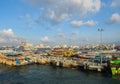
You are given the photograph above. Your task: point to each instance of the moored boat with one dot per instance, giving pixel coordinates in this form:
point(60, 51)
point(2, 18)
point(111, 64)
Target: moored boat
point(15, 59)
point(115, 67)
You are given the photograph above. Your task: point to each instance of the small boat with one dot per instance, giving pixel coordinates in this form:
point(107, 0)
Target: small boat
point(15, 59)
point(115, 67)
point(100, 59)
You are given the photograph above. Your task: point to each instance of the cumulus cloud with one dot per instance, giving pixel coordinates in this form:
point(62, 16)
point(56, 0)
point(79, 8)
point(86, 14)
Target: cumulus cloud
point(115, 18)
point(90, 23)
point(57, 11)
point(77, 23)
point(115, 3)
point(45, 39)
point(7, 37)
point(8, 32)
point(2, 40)
point(81, 23)
point(55, 18)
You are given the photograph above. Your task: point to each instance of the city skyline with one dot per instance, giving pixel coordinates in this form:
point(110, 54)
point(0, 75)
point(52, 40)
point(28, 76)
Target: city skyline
point(53, 22)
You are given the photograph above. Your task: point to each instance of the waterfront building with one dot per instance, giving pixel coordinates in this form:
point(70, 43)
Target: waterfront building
point(26, 46)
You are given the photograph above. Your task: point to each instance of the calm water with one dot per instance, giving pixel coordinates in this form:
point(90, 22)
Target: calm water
point(42, 74)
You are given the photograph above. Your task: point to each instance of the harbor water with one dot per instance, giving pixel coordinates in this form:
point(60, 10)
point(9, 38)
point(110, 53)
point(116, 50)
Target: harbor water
point(45, 74)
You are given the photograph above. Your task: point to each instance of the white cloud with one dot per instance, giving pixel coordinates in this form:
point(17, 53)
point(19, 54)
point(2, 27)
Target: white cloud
point(2, 40)
point(91, 23)
point(8, 32)
point(115, 3)
point(77, 23)
point(115, 18)
point(81, 23)
point(7, 37)
point(56, 18)
point(57, 11)
point(45, 39)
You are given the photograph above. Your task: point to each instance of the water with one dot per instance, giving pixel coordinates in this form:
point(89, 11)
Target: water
point(42, 74)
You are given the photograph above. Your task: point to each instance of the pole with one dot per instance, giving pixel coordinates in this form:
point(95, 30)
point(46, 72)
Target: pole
point(100, 30)
point(101, 37)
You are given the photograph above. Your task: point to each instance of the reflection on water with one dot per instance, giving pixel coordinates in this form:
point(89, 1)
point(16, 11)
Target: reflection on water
point(41, 74)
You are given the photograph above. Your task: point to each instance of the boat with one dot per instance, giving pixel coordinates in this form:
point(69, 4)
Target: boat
point(15, 59)
point(115, 67)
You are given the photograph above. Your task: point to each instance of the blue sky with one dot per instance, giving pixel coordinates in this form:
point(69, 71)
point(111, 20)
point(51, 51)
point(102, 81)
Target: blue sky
point(53, 22)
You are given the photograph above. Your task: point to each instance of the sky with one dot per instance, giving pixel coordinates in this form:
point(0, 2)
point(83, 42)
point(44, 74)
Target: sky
point(54, 22)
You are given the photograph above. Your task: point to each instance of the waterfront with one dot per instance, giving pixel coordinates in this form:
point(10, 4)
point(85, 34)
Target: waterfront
point(41, 74)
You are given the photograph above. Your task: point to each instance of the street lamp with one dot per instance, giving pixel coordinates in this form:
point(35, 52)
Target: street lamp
point(101, 30)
